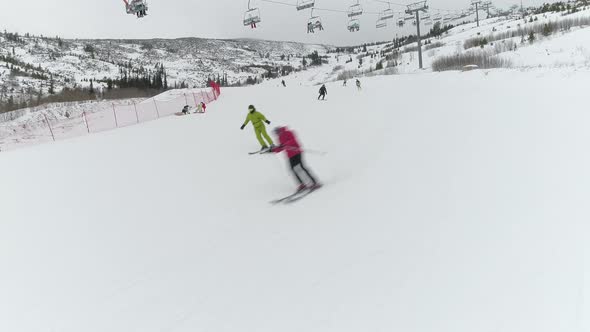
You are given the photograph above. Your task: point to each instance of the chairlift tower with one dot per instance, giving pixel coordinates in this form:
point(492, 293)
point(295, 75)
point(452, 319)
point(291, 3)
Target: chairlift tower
point(486, 6)
point(476, 4)
point(415, 9)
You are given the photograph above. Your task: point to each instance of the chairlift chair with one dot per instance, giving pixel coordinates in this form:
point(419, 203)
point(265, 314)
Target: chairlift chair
point(381, 24)
point(387, 14)
point(354, 25)
point(401, 22)
point(315, 22)
point(426, 16)
point(437, 18)
point(136, 6)
point(305, 4)
point(252, 16)
point(428, 22)
point(409, 17)
point(355, 10)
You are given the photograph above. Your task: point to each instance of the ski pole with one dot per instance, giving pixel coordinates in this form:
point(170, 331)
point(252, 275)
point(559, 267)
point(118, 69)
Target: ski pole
point(310, 151)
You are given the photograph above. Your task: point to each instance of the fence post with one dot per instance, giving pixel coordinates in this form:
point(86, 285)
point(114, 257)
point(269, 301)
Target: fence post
point(157, 111)
point(136, 115)
point(86, 121)
point(185, 99)
point(49, 125)
point(195, 97)
point(115, 114)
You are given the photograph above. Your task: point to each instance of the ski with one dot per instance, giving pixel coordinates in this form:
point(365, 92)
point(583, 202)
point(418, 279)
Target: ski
point(295, 197)
point(260, 152)
point(299, 197)
point(289, 197)
point(183, 114)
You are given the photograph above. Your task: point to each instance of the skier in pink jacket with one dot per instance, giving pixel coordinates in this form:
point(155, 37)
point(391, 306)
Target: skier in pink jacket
point(288, 142)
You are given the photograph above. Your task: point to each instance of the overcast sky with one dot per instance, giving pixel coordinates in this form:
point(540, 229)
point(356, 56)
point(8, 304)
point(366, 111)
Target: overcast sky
point(203, 18)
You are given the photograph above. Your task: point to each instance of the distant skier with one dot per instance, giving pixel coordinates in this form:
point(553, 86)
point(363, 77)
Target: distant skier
point(283, 83)
point(289, 143)
point(201, 107)
point(358, 84)
point(323, 92)
point(186, 110)
point(258, 120)
point(344, 83)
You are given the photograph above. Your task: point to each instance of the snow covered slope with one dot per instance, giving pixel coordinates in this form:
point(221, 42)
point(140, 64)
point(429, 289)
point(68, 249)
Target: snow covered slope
point(457, 211)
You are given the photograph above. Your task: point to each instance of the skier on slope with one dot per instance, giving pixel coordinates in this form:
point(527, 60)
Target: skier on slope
point(289, 143)
point(186, 110)
point(323, 92)
point(201, 107)
point(258, 120)
point(358, 84)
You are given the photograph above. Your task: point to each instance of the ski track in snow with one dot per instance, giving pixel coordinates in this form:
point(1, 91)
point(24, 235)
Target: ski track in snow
point(434, 217)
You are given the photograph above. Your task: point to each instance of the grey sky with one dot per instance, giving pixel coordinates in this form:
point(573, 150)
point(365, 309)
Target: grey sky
point(201, 18)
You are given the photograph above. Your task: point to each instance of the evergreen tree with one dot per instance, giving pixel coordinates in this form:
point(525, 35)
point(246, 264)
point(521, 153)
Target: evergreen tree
point(10, 105)
point(531, 37)
point(51, 85)
point(39, 96)
point(547, 30)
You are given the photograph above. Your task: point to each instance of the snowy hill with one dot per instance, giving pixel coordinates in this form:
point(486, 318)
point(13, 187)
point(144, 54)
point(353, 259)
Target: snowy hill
point(438, 216)
point(188, 60)
point(560, 41)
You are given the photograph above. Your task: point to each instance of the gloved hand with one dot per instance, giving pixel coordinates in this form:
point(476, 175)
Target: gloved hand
point(267, 122)
point(242, 127)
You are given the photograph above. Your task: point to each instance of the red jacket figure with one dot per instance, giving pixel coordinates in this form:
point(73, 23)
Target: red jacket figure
point(288, 142)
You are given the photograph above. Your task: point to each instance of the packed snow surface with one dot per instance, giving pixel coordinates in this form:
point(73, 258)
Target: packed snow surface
point(452, 202)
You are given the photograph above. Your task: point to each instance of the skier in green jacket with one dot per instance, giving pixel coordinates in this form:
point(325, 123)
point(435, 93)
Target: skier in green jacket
point(258, 120)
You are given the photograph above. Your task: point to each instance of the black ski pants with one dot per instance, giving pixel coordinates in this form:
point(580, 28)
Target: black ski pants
point(298, 161)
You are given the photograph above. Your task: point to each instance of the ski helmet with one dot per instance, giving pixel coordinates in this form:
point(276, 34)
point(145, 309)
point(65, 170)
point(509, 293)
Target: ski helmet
point(251, 108)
